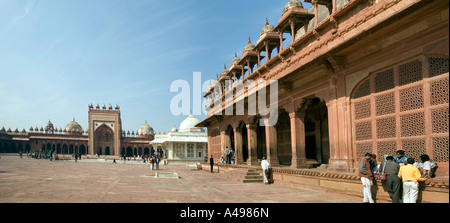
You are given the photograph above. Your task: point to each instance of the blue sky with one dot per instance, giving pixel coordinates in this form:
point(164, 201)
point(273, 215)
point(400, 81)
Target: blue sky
point(58, 56)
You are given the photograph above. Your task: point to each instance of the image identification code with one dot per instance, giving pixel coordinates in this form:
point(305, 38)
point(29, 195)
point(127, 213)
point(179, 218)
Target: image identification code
point(246, 213)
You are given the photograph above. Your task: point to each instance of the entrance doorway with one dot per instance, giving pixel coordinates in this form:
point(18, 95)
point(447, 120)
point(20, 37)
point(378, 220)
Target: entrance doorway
point(104, 140)
point(316, 133)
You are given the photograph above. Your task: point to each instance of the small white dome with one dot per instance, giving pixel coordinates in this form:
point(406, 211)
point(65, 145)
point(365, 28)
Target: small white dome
point(189, 123)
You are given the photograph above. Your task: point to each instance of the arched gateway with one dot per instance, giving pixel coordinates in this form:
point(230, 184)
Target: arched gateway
point(104, 140)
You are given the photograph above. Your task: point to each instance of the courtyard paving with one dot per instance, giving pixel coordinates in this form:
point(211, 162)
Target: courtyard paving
point(27, 180)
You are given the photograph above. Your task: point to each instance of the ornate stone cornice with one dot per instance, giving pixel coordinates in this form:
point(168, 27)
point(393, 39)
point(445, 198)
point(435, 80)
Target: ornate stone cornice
point(341, 29)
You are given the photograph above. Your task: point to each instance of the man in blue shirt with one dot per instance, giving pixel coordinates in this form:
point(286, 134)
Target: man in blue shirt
point(401, 158)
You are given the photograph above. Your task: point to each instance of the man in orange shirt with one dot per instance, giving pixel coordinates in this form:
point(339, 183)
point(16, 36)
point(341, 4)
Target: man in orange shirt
point(410, 176)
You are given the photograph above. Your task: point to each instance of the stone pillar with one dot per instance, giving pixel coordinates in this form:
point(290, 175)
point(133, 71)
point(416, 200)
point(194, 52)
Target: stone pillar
point(268, 54)
point(238, 156)
point(170, 150)
point(316, 12)
point(185, 150)
point(298, 140)
point(259, 58)
point(292, 30)
point(271, 145)
point(195, 151)
point(222, 143)
point(252, 145)
point(333, 6)
point(341, 157)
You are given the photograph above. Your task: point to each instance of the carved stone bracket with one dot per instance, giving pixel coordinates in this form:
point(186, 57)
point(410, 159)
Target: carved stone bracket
point(335, 63)
point(287, 85)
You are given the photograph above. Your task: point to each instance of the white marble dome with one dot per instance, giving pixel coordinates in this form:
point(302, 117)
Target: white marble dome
point(189, 123)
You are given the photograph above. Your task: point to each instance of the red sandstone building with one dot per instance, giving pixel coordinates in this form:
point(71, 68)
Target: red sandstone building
point(354, 77)
point(104, 137)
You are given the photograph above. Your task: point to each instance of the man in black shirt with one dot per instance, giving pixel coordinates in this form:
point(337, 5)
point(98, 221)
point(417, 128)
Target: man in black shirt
point(211, 162)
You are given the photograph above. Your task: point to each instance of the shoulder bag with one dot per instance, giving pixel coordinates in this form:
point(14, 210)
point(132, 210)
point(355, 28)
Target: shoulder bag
point(382, 174)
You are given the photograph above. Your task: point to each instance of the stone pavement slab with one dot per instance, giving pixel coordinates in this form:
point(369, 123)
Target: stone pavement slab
point(27, 180)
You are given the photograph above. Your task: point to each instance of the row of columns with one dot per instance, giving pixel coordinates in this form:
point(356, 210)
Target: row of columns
point(297, 123)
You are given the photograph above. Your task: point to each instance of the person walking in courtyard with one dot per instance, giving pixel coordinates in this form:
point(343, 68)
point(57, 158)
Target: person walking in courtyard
point(366, 175)
point(152, 162)
point(265, 166)
point(211, 163)
point(393, 183)
point(410, 176)
point(157, 162)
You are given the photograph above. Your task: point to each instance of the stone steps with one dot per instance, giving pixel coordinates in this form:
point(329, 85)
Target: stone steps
point(252, 176)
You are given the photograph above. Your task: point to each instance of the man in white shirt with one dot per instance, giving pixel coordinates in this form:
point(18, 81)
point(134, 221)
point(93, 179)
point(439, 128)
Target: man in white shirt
point(265, 166)
point(425, 166)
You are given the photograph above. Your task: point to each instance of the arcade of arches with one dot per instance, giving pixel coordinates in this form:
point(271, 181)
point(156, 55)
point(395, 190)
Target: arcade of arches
point(101, 139)
point(251, 142)
point(358, 77)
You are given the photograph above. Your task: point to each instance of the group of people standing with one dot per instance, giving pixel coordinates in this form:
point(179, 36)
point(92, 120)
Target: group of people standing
point(401, 173)
point(229, 156)
point(154, 162)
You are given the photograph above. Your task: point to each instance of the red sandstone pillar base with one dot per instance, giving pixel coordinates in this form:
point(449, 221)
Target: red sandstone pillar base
point(341, 165)
point(299, 163)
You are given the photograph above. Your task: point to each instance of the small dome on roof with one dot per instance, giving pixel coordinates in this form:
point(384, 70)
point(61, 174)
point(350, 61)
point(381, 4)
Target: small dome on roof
point(267, 28)
point(146, 129)
point(73, 126)
point(235, 61)
point(189, 122)
point(49, 125)
point(224, 72)
point(249, 46)
point(292, 4)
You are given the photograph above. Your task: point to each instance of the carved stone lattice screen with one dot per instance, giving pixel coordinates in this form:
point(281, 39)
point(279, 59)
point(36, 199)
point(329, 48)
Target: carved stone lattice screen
point(404, 107)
